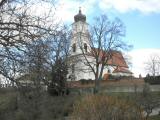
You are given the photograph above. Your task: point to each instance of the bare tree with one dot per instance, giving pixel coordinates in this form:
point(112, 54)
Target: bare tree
point(147, 100)
point(58, 61)
point(24, 50)
point(18, 28)
point(153, 65)
point(105, 38)
point(36, 62)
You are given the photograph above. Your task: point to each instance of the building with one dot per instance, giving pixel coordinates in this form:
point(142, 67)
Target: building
point(80, 44)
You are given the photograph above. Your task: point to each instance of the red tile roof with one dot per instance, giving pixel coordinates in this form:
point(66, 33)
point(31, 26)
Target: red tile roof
point(115, 57)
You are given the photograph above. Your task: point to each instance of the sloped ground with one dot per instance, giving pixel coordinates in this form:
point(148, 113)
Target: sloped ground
point(49, 107)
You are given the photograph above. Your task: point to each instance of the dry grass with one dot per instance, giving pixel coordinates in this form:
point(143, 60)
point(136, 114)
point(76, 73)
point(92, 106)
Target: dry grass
point(102, 107)
point(45, 107)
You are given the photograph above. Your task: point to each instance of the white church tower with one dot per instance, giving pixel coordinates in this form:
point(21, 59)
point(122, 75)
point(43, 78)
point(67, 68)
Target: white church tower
point(80, 35)
point(79, 44)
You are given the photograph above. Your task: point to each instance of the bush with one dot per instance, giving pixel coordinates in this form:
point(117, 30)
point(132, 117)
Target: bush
point(112, 77)
point(101, 107)
point(86, 81)
point(56, 90)
point(152, 79)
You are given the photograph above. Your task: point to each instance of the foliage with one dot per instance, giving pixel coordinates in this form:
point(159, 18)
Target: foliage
point(148, 101)
point(101, 107)
point(155, 117)
point(152, 79)
point(86, 81)
point(113, 77)
point(59, 74)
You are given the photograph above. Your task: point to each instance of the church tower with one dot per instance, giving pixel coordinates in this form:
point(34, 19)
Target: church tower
point(80, 35)
point(79, 44)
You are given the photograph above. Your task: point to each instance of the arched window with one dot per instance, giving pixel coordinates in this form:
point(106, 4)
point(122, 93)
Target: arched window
point(73, 68)
point(74, 47)
point(109, 71)
point(85, 47)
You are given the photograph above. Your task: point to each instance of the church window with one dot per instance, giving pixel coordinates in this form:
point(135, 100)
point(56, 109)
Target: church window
point(74, 47)
point(85, 47)
point(109, 71)
point(73, 68)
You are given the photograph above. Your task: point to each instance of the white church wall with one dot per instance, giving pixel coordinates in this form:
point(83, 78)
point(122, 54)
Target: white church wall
point(122, 74)
point(81, 70)
point(80, 27)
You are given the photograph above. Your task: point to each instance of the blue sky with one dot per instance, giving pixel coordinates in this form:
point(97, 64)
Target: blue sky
point(141, 18)
point(143, 31)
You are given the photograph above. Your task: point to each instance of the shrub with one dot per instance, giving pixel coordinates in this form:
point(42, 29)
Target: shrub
point(55, 90)
point(82, 81)
point(152, 79)
point(101, 107)
point(113, 77)
point(86, 81)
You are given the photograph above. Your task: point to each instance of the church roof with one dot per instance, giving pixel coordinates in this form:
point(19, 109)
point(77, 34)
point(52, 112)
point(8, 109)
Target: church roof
point(114, 57)
point(80, 17)
point(117, 59)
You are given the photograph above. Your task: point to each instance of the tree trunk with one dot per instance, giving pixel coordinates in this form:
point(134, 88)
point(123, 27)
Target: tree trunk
point(96, 89)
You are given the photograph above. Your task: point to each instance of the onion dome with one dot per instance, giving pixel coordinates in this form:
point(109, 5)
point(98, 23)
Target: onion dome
point(80, 17)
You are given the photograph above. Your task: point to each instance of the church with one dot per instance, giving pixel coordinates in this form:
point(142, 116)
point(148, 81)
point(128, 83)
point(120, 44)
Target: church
point(80, 45)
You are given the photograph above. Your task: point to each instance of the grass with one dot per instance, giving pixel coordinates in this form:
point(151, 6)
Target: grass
point(155, 117)
point(7, 104)
point(49, 108)
point(46, 107)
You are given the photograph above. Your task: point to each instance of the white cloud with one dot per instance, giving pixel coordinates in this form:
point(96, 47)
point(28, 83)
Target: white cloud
point(144, 6)
point(139, 58)
point(66, 9)
point(60, 10)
